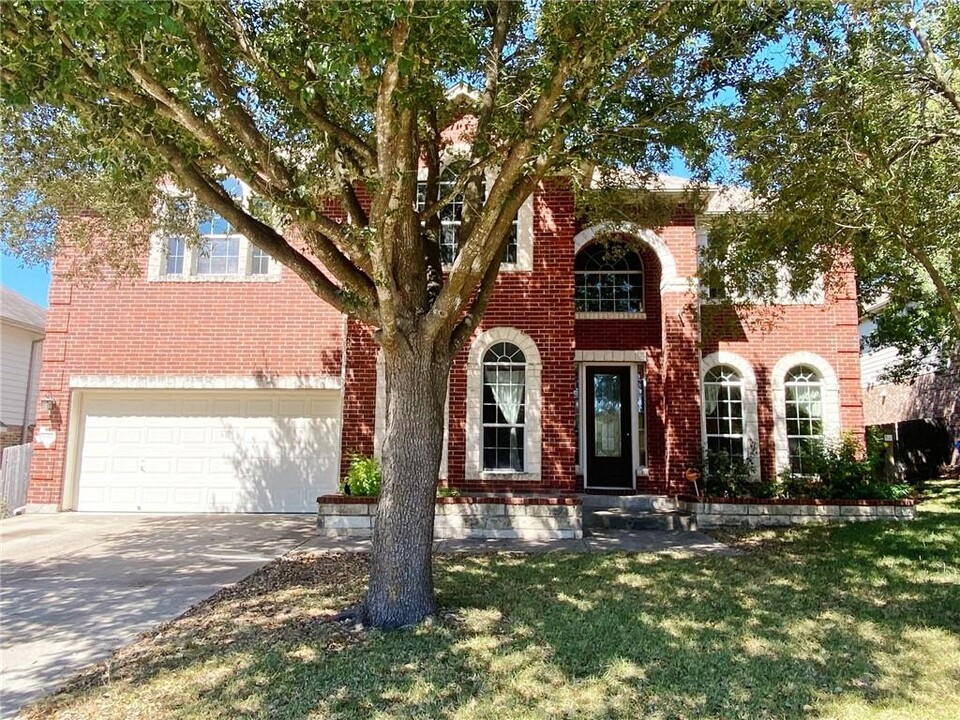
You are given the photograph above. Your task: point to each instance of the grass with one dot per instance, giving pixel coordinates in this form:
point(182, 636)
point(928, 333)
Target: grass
point(857, 621)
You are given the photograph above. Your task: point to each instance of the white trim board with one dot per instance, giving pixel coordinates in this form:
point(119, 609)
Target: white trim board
point(205, 382)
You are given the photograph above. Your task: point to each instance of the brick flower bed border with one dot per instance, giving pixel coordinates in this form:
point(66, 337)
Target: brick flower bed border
point(714, 512)
point(464, 516)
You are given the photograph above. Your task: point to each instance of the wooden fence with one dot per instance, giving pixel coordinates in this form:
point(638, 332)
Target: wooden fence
point(14, 473)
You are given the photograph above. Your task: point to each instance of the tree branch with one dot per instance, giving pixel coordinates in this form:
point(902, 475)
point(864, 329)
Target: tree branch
point(227, 95)
point(263, 236)
point(940, 81)
point(494, 64)
point(359, 150)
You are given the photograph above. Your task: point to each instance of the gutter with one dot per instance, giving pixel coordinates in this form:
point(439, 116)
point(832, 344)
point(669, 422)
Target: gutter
point(26, 400)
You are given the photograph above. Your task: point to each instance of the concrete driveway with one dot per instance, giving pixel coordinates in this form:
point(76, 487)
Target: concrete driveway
point(75, 586)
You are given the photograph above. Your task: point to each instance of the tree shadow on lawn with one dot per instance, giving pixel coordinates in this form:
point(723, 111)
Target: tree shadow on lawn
point(866, 613)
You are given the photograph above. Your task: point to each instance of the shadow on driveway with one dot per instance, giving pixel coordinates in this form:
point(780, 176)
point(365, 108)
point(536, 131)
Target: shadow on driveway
point(73, 587)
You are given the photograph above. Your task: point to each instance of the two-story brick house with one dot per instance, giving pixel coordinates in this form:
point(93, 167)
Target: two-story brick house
point(217, 382)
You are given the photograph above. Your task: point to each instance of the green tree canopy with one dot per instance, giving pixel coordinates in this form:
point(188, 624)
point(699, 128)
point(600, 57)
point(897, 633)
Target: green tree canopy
point(332, 113)
point(850, 143)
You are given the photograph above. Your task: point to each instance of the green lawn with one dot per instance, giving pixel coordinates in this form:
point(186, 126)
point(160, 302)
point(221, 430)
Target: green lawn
point(859, 621)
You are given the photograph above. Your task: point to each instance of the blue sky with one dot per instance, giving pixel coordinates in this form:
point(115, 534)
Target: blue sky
point(33, 282)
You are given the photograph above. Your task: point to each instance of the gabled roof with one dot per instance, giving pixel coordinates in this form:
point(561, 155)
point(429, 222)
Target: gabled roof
point(17, 310)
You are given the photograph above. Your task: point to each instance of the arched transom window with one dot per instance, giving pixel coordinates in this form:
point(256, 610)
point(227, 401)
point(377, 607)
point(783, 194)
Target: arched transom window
point(609, 278)
point(504, 386)
point(803, 396)
point(723, 410)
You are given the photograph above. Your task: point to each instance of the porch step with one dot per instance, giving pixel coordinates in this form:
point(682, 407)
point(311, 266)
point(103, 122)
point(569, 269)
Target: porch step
point(623, 519)
point(633, 503)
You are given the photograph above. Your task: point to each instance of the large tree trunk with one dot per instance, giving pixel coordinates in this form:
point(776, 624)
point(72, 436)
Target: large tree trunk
point(401, 573)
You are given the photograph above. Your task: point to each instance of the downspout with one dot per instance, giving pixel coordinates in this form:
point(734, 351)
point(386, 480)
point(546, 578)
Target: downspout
point(26, 400)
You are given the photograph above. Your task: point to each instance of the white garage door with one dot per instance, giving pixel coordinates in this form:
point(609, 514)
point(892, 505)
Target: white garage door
point(218, 451)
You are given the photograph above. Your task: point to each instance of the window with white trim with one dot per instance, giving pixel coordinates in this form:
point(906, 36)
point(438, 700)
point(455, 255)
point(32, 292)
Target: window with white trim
point(608, 278)
point(504, 389)
point(222, 253)
point(497, 358)
point(723, 411)
point(176, 252)
point(451, 218)
point(803, 398)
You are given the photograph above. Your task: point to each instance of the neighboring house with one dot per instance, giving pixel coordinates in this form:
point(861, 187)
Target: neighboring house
point(219, 382)
point(21, 335)
point(920, 416)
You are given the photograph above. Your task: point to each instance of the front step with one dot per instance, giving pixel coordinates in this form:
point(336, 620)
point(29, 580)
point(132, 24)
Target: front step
point(632, 503)
point(623, 519)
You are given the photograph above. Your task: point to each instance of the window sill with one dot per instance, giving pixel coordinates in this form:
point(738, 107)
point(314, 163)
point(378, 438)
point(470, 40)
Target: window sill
point(610, 316)
point(269, 278)
point(504, 268)
point(762, 303)
point(510, 476)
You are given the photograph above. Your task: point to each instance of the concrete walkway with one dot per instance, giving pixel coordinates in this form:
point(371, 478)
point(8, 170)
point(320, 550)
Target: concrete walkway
point(73, 587)
point(633, 541)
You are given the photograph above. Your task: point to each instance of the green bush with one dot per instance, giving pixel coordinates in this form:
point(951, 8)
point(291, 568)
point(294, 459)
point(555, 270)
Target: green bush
point(363, 477)
point(723, 475)
point(838, 470)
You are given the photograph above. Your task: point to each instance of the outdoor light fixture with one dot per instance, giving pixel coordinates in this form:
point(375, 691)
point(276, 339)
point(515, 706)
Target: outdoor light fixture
point(48, 403)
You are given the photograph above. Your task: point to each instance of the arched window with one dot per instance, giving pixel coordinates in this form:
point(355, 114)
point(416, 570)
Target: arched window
point(609, 278)
point(723, 410)
point(803, 397)
point(504, 388)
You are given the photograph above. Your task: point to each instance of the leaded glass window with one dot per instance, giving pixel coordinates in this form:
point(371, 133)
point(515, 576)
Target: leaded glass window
point(504, 387)
point(609, 278)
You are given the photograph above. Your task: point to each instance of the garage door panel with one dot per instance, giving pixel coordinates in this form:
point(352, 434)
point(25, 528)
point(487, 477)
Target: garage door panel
point(153, 453)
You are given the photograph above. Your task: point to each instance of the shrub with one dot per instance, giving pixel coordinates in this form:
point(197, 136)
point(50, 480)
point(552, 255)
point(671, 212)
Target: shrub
point(363, 477)
point(838, 470)
point(724, 475)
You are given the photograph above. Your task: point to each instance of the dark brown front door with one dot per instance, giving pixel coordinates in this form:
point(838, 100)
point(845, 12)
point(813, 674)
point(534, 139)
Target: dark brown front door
point(609, 420)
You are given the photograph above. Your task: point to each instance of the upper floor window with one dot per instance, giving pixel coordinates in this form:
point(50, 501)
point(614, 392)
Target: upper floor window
point(504, 388)
point(609, 278)
point(723, 411)
point(222, 253)
point(803, 388)
point(176, 252)
point(451, 219)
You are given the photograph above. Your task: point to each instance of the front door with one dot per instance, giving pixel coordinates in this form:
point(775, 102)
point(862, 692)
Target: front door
point(608, 425)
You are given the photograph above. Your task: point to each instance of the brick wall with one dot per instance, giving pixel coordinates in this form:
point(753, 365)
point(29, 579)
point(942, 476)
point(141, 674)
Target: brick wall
point(194, 328)
point(764, 336)
point(540, 304)
point(13, 434)
point(135, 327)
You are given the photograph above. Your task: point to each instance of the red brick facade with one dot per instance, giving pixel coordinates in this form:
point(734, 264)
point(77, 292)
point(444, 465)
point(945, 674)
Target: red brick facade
point(279, 328)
